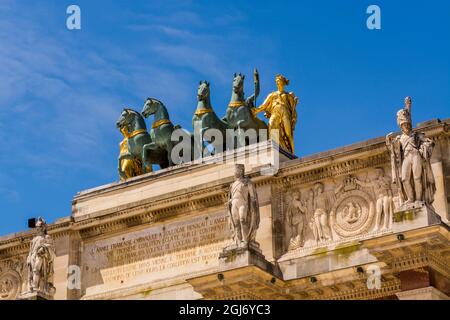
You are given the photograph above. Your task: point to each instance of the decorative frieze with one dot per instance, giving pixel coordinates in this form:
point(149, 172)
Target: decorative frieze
point(331, 211)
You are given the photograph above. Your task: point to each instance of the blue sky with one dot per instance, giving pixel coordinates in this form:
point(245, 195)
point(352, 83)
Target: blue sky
point(61, 91)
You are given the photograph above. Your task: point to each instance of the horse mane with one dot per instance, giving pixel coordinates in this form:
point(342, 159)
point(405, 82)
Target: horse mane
point(132, 111)
point(154, 99)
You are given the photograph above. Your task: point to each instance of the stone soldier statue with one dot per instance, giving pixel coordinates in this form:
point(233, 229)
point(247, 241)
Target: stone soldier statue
point(243, 208)
point(40, 261)
point(410, 159)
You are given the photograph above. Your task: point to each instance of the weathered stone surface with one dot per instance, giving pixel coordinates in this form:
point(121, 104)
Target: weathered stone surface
point(37, 295)
point(414, 216)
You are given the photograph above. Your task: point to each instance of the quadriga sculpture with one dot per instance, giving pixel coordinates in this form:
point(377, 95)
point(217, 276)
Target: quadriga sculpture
point(211, 134)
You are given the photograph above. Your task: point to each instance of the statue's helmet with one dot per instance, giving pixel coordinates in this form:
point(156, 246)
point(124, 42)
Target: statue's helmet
point(403, 116)
point(41, 225)
point(239, 169)
point(408, 101)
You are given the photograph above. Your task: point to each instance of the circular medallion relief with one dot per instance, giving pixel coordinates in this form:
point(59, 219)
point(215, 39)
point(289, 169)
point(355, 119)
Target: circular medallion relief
point(9, 285)
point(353, 214)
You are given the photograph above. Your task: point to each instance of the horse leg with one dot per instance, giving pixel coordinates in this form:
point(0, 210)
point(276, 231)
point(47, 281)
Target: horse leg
point(123, 166)
point(163, 161)
point(242, 126)
point(169, 147)
point(192, 148)
point(198, 143)
point(261, 125)
point(146, 160)
point(122, 175)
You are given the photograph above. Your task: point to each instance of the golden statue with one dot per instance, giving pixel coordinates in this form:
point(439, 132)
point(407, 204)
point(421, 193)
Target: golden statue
point(129, 167)
point(279, 108)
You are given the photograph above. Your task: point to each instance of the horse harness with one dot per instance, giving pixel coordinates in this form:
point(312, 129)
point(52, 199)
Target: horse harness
point(236, 104)
point(159, 123)
point(200, 112)
point(136, 132)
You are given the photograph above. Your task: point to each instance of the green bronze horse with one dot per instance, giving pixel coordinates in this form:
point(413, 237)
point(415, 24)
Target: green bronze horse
point(132, 124)
point(160, 149)
point(238, 114)
point(205, 119)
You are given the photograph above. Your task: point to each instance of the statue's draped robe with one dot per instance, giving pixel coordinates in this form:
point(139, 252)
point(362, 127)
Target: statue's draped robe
point(251, 197)
point(280, 107)
point(40, 260)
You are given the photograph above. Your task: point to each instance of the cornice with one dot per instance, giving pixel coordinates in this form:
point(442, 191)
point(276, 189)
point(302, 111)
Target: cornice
point(147, 213)
point(334, 169)
point(19, 243)
point(388, 288)
point(435, 129)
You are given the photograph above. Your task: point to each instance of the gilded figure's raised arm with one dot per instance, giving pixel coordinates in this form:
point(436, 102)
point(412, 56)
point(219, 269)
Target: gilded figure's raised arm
point(263, 107)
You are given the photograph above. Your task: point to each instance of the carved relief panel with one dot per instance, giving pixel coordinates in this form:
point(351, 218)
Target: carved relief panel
point(11, 275)
point(306, 216)
point(353, 211)
point(328, 211)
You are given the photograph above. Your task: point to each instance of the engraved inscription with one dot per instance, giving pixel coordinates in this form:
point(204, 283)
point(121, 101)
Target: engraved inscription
point(157, 252)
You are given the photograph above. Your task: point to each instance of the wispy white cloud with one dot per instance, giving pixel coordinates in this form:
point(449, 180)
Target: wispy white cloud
point(59, 100)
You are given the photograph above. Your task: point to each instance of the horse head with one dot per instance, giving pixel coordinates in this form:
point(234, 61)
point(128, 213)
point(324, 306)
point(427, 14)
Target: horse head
point(203, 91)
point(124, 119)
point(238, 83)
point(151, 106)
point(130, 119)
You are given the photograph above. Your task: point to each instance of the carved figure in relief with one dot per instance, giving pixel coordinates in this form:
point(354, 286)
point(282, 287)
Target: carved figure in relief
point(319, 222)
point(296, 215)
point(309, 202)
point(243, 208)
point(384, 205)
point(6, 286)
point(351, 213)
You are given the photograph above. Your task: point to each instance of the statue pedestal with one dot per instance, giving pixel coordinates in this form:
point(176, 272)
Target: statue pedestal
point(413, 216)
point(35, 295)
point(243, 274)
point(233, 257)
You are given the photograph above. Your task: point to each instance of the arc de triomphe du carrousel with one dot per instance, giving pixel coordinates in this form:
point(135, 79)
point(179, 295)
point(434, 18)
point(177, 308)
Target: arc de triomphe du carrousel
point(232, 213)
